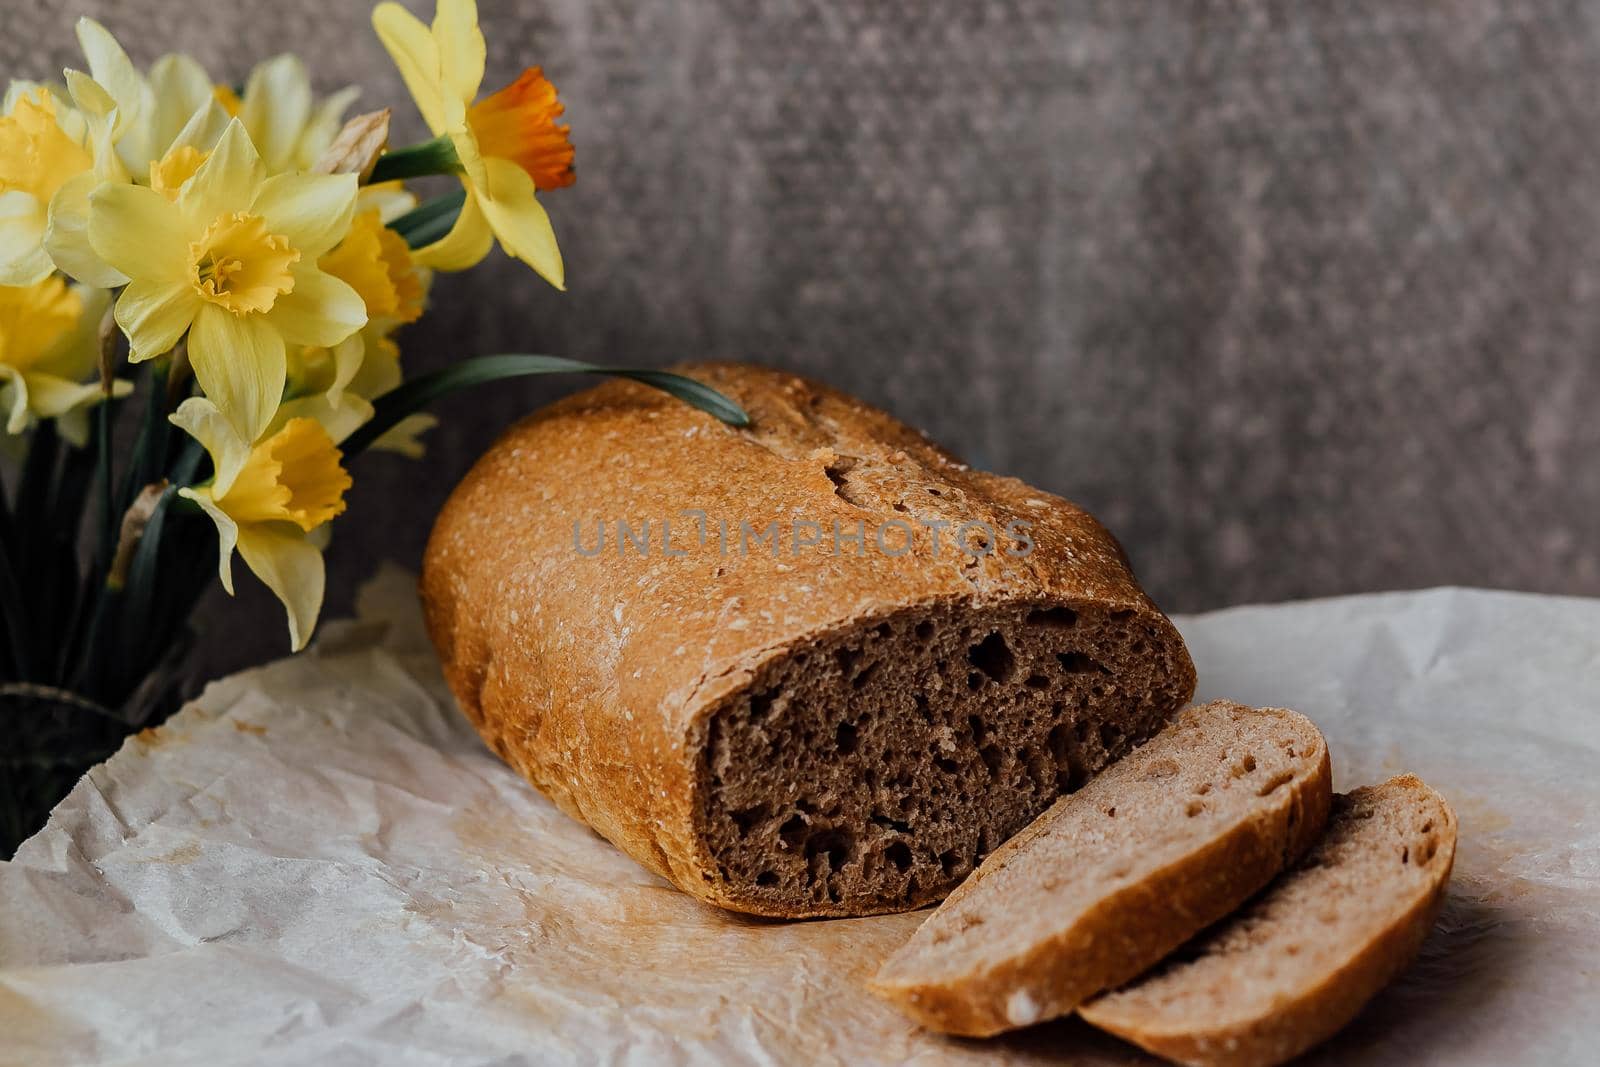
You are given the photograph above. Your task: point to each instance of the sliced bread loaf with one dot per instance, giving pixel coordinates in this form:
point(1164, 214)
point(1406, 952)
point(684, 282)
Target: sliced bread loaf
point(1302, 959)
point(808, 667)
point(1115, 876)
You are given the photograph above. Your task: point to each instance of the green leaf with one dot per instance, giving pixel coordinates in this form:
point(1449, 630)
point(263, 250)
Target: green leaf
point(414, 395)
point(431, 220)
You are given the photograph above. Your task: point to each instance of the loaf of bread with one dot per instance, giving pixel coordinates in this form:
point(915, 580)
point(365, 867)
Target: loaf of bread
point(1303, 958)
point(816, 666)
point(1115, 876)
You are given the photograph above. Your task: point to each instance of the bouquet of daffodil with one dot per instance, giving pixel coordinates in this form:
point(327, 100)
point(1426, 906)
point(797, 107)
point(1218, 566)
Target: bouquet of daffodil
point(223, 269)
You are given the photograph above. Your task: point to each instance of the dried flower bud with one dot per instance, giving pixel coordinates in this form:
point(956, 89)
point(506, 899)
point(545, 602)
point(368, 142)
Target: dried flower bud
point(357, 147)
point(134, 520)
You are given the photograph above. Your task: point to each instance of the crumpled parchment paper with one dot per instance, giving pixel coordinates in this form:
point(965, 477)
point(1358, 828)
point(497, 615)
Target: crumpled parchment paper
point(319, 862)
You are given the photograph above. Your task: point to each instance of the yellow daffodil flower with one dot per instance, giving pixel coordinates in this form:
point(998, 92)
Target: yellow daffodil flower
point(49, 345)
point(37, 157)
point(267, 499)
point(153, 111)
point(233, 261)
point(336, 386)
point(376, 262)
point(135, 123)
point(506, 144)
point(290, 127)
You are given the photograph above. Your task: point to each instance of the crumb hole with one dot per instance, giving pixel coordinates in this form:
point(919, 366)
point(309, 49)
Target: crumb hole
point(899, 855)
point(924, 630)
point(1038, 681)
point(746, 820)
point(1194, 808)
point(836, 847)
point(1244, 766)
point(766, 878)
point(793, 830)
point(993, 657)
point(1059, 618)
point(1078, 663)
point(990, 755)
point(844, 738)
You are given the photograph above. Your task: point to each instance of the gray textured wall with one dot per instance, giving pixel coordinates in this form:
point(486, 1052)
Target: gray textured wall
point(1300, 298)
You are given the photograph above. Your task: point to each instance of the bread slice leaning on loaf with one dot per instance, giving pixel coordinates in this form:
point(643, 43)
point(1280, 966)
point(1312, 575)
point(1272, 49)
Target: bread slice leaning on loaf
point(1302, 959)
point(1115, 876)
point(827, 669)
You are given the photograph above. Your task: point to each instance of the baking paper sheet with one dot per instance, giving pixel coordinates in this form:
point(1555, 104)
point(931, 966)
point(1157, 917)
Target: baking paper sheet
point(319, 862)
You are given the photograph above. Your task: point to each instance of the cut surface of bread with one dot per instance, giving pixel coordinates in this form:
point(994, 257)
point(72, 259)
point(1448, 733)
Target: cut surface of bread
point(1303, 958)
point(1113, 877)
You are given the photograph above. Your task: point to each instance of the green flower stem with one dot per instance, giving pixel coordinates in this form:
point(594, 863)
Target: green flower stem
point(437, 156)
point(429, 221)
point(414, 395)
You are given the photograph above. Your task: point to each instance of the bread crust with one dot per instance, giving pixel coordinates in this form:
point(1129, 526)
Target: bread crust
point(1126, 931)
point(595, 675)
point(1302, 1020)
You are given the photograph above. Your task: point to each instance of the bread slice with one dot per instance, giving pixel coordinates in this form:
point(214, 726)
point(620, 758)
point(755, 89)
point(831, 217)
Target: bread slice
point(1114, 877)
point(1302, 959)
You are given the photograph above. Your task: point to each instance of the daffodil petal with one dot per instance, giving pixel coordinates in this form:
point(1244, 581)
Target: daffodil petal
point(202, 420)
point(50, 397)
point(277, 103)
point(461, 48)
point(76, 354)
point(340, 416)
point(320, 310)
point(17, 417)
point(292, 568)
point(203, 129)
point(520, 222)
point(227, 534)
point(66, 236)
point(23, 259)
point(323, 126)
point(389, 199)
point(112, 68)
point(468, 241)
point(416, 56)
point(226, 181)
point(240, 363)
point(139, 233)
point(312, 210)
point(348, 356)
point(181, 87)
point(403, 438)
point(154, 316)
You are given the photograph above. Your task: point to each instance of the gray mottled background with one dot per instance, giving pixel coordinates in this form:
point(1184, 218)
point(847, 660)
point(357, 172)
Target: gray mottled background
point(1299, 298)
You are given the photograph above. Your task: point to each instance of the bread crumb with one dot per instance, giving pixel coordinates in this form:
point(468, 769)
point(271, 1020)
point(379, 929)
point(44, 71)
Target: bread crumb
point(1021, 1008)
